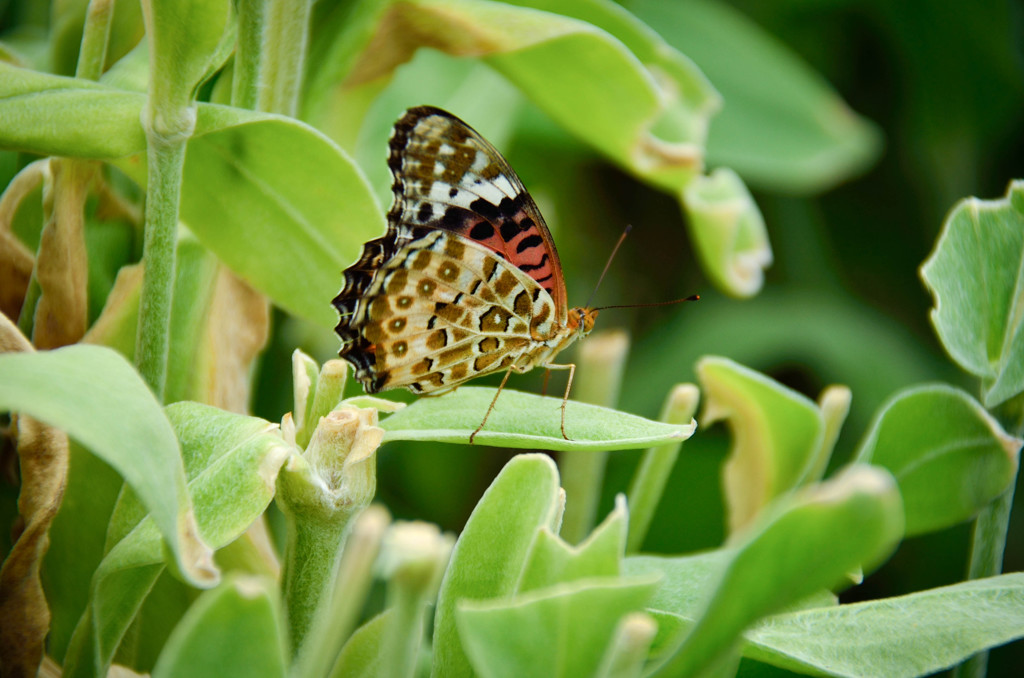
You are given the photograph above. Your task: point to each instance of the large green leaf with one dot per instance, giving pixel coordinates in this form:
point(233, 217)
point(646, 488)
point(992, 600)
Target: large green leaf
point(490, 553)
point(567, 627)
point(976, 277)
point(783, 127)
point(278, 202)
point(232, 462)
point(913, 635)
point(788, 556)
point(99, 400)
point(524, 420)
point(949, 456)
point(649, 114)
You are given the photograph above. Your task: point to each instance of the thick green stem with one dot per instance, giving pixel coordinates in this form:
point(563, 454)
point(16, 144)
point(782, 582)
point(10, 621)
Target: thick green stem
point(163, 194)
point(312, 554)
point(598, 377)
point(652, 474)
point(92, 55)
point(335, 622)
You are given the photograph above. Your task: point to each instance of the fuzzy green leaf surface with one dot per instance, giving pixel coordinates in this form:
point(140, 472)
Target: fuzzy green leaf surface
point(95, 396)
point(286, 227)
point(233, 629)
point(776, 432)
point(976, 277)
point(784, 128)
point(913, 635)
point(361, 655)
point(950, 457)
point(524, 420)
point(553, 561)
point(790, 555)
point(567, 627)
point(489, 556)
point(232, 462)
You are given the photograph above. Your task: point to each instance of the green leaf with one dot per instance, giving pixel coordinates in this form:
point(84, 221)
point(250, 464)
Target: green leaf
point(949, 456)
point(232, 462)
point(567, 627)
point(777, 434)
point(729, 232)
point(361, 655)
point(783, 127)
point(524, 420)
point(53, 115)
point(913, 635)
point(488, 558)
point(234, 628)
point(648, 111)
point(976, 277)
point(288, 228)
point(790, 555)
point(99, 400)
point(554, 561)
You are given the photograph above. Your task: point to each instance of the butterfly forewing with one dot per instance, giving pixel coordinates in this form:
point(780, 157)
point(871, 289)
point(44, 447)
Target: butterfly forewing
point(449, 177)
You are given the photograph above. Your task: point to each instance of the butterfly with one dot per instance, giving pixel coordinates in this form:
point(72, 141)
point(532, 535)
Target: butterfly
point(466, 282)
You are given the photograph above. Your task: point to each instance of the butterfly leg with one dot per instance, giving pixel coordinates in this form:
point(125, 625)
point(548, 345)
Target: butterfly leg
point(547, 378)
point(491, 407)
point(568, 387)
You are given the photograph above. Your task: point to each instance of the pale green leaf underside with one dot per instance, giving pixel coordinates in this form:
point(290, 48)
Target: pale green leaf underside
point(95, 396)
point(912, 635)
point(949, 456)
point(976, 276)
point(524, 420)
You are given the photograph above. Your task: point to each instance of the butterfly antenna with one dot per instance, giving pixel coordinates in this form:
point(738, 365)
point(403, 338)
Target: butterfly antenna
point(625, 232)
point(692, 297)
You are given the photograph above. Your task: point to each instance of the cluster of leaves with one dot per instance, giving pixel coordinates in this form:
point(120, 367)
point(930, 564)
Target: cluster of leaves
point(271, 161)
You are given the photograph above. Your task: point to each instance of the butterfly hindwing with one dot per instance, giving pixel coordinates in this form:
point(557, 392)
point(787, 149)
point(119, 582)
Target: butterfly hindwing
point(444, 310)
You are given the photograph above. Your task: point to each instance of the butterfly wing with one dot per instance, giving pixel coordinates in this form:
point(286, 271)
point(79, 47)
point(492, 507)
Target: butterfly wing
point(449, 177)
point(466, 276)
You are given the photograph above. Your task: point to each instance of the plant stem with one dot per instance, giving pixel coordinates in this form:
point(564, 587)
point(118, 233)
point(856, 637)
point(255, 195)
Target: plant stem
point(92, 55)
point(988, 537)
point(601, 363)
point(988, 541)
point(648, 485)
point(273, 37)
point(352, 584)
point(312, 554)
point(246, 77)
point(166, 159)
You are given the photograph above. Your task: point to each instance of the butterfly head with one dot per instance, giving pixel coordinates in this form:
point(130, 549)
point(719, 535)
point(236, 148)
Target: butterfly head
point(582, 320)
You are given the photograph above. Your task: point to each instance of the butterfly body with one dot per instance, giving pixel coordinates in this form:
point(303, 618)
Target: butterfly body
point(466, 281)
